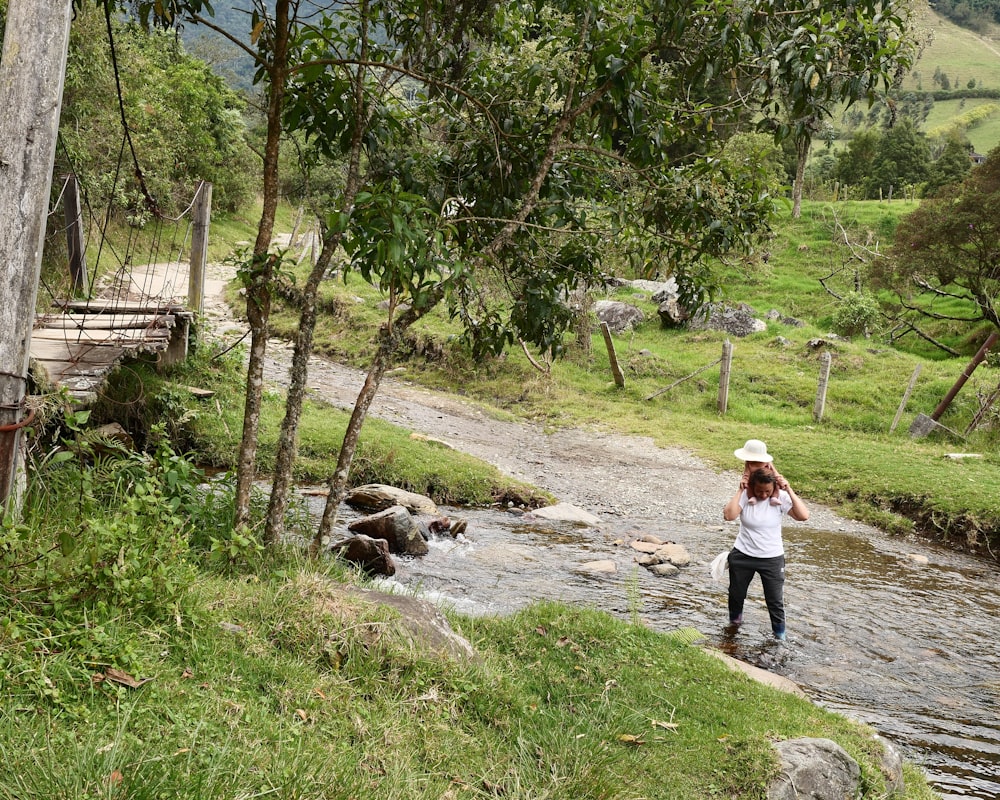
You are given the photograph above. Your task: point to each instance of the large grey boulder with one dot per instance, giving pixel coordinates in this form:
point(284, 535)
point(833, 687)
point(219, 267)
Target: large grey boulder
point(738, 320)
point(565, 512)
point(618, 316)
point(397, 527)
point(379, 496)
point(814, 769)
point(672, 312)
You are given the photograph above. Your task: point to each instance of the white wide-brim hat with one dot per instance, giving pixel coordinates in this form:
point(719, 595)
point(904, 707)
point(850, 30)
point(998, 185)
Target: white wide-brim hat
point(754, 450)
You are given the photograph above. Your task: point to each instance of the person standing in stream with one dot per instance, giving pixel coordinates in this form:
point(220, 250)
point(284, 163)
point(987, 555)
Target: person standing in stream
point(759, 549)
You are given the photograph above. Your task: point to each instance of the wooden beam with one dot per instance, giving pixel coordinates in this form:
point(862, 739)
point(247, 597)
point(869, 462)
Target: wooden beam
point(104, 322)
point(113, 306)
point(32, 74)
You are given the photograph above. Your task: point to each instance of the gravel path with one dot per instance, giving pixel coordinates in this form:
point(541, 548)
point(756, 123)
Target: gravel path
point(603, 473)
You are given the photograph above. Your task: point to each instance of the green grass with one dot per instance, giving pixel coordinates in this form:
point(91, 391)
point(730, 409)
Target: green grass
point(291, 687)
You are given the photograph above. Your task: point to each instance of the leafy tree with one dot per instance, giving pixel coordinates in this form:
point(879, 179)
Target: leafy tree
point(758, 148)
point(490, 184)
point(901, 161)
point(945, 261)
point(546, 134)
point(952, 166)
point(847, 52)
point(854, 162)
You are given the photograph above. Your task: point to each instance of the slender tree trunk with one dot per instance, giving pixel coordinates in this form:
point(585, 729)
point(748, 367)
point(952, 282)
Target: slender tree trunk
point(338, 481)
point(288, 442)
point(388, 340)
point(288, 439)
point(801, 154)
point(262, 268)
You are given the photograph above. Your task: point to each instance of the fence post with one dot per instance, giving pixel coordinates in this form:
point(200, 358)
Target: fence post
point(824, 379)
point(74, 237)
point(612, 356)
point(724, 370)
point(202, 215)
point(906, 397)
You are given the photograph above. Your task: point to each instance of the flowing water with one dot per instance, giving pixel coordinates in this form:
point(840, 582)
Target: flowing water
point(910, 648)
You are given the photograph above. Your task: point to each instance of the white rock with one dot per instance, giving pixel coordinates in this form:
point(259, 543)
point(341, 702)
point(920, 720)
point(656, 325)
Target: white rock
point(564, 512)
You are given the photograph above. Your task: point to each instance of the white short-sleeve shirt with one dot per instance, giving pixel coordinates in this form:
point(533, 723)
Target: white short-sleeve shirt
point(760, 526)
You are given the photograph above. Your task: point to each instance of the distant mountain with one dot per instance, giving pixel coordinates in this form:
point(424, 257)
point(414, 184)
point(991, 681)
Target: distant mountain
point(224, 57)
point(976, 15)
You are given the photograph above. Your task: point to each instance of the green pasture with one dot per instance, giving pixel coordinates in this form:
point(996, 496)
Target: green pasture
point(961, 54)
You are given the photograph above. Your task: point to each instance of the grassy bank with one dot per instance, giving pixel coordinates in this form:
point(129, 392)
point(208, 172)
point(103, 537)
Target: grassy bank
point(280, 683)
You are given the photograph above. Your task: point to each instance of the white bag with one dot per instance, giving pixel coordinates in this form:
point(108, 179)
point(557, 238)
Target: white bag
point(719, 568)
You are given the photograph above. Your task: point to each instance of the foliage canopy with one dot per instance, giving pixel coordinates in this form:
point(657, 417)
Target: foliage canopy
point(946, 257)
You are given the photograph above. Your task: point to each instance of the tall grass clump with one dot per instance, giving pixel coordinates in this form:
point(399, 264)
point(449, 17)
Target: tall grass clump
point(96, 564)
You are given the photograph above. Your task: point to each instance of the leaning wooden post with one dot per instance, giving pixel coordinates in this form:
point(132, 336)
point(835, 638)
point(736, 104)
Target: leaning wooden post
point(727, 362)
point(202, 215)
point(966, 374)
point(32, 73)
point(824, 379)
point(612, 357)
point(74, 237)
point(906, 397)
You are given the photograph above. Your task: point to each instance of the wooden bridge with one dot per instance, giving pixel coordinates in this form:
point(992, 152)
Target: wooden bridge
point(141, 311)
point(79, 348)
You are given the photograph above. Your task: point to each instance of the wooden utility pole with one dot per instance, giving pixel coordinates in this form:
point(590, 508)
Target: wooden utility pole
point(32, 72)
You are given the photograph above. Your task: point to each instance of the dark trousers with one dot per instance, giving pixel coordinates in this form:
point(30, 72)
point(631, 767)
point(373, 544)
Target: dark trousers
point(742, 568)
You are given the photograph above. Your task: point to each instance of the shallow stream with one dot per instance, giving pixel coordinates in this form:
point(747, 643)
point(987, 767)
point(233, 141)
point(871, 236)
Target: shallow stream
point(910, 648)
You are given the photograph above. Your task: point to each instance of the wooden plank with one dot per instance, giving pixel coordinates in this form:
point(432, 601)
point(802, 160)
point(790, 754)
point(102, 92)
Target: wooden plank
point(104, 321)
point(117, 306)
point(101, 336)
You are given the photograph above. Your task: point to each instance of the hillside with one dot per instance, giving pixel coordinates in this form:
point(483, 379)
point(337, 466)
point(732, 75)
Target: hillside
point(963, 56)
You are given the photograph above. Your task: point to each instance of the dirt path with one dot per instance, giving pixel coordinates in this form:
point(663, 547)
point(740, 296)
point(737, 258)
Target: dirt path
point(603, 473)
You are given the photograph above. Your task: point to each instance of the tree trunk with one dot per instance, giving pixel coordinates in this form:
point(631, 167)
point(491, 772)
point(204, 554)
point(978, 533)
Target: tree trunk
point(32, 74)
point(288, 438)
point(262, 268)
point(338, 481)
point(388, 339)
point(288, 441)
point(801, 154)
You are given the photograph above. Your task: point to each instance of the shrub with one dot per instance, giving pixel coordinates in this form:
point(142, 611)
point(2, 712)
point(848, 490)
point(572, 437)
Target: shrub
point(858, 314)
